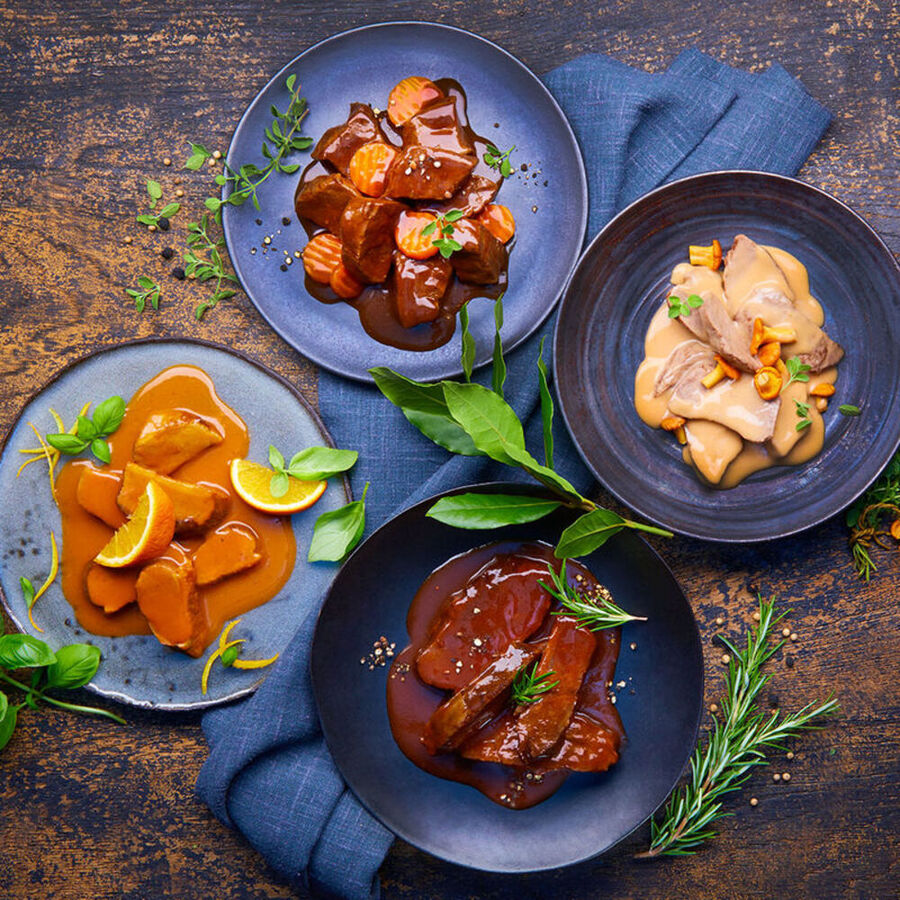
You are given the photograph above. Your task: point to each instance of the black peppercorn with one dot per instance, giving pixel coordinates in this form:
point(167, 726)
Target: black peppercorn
point(167, 253)
point(178, 273)
point(285, 220)
point(162, 223)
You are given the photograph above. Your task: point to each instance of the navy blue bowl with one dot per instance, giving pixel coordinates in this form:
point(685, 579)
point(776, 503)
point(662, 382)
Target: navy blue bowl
point(661, 709)
point(363, 65)
point(618, 286)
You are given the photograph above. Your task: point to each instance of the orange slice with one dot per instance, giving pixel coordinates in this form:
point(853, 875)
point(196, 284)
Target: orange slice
point(251, 482)
point(146, 534)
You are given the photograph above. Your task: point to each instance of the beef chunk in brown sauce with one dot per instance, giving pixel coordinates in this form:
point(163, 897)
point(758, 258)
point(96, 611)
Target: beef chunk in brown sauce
point(367, 236)
point(339, 143)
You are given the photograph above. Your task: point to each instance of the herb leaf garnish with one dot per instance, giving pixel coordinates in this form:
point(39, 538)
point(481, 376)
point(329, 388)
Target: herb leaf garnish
point(443, 225)
point(490, 510)
point(797, 370)
point(679, 307)
point(498, 369)
point(337, 532)
point(803, 414)
point(92, 432)
point(865, 518)
point(499, 161)
point(737, 743)
point(847, 409)
point(311, 464)
point(146, 292)
point(204, 261)
point(528, 687)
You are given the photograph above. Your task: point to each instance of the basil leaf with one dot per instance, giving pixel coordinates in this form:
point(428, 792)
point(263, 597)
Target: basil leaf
point(75, 666)
point(7, 723)
point(276, 460)
point(337, 532)
point(588, 532)
point(546, 407)
point(27, 591)
point(489, 420)
point(467, 357)
point(20, 651)
point(490, 510)
point(425, 408)
point(108, 414)
point(498, 371)
point(86, 430)
point(318, 463)
point(279, 483)
point(100, 449)
point(69, 444)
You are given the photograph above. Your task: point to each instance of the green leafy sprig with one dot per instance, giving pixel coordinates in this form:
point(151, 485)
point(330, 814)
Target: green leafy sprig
point(443, 225)
point(679, 307)
point(339, 531)
point(499, 161)
point(92, 432)
point(311, 464)
point(866, 517)
point(69, 667)
point(146, 292)
point(528, 686)
point(154, 191)
point(203, 260)
point(798, 371)
point(592, 611)
point(737, 743)
point(802, 410)
point(472, 420)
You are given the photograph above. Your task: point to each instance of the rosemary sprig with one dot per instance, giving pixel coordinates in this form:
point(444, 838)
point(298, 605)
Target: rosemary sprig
point(203, 259)
point(865, 517)
point(594, 612)
point(528, 686)
point(737, 743)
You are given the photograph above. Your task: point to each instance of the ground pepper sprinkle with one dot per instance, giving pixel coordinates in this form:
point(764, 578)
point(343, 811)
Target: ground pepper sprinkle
point(382, 650)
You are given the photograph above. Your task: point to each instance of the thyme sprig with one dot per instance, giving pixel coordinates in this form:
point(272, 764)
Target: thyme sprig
point(146, 292)
point(594, 612)
point(528, 686)
point(499, 161)
point(203, 259)
point(445, 242)
point(866, 516)
point(737, 743)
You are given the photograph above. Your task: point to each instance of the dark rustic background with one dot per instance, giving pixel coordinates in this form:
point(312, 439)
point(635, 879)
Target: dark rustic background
point(93, 96)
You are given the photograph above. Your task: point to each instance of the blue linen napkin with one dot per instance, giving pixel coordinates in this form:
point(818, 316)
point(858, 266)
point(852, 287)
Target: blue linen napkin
point(269, 773)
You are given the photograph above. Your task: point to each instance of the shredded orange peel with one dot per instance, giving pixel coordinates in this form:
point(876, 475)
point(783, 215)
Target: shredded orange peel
point(224, 644)
point(44, 451)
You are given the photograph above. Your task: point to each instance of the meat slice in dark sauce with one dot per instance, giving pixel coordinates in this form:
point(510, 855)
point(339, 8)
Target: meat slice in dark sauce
point(426, 173)
point(475, 624)
point(324, 199)
point(438, 126)
point(419, 286)
point(482, 257)
point(473, 195)
point(339, 143)
point(367, 236)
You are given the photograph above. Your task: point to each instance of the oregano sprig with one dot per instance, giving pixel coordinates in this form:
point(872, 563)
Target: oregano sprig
point(797, 370)
point(146, 292)
point(679, 307)
point(443, 225)
point(203, 260)
point(498, 160)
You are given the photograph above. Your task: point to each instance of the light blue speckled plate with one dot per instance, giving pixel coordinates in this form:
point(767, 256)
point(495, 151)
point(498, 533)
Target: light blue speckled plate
point(137, 669)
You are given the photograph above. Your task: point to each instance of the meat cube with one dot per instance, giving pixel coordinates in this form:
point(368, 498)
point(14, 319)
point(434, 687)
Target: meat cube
point(367, 237)
point(323, 200)
point(482, 258)
point(419, 286)
point(437, 126)
point(339, 143)
point(97, 491)
point(567, 657)
point(227, 551)
point(197, 506)
point(110, 589)
point(424, 173)
point(501, 604)
point(471, 198)
point(453, 719)
point(172, 437)
point(167, 596)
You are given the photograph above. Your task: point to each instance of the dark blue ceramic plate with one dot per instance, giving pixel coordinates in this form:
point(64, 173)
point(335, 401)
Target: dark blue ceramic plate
point(137, 669)
point(618, 285)
point(363, 65)
point(370, 597)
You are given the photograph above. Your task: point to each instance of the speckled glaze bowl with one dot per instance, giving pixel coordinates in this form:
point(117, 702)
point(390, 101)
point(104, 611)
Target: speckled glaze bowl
point(618, 286)
point(137, 669)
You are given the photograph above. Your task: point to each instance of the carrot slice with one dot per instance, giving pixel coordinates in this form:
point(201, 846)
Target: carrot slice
point(409, 96)
point(409, 237)
point(498, 220)
point(369, 167)
point(321, 256)
point(344, 284)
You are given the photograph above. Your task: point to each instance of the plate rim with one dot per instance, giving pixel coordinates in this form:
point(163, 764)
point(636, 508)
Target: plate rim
point(157, 340)
point(228, 212)
point(718, 538)
point(696, 649)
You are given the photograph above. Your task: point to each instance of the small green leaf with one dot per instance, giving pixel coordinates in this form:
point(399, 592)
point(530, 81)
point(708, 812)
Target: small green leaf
point(546, 407)
point(291, 79)
point(7, 723)
point(230, 655)
point(155, 192)
point(108, 415)
point(319, 463)
point(213, 203)
point(588, 532)
point(19, 651)
point(144, 219)
point(70, 444)
point(454, 215)
point(279, 483)
point(847, 409)
point(803, 423)
point(498, 369)
point(430, 228)
point(86, 429)
point(75, 666)
point(169, 210)
point(27, 591)
point(100, 449)
point(337, 532)
point(467, 358)
point(490, 510)
point(276, 460)
point(195, 161)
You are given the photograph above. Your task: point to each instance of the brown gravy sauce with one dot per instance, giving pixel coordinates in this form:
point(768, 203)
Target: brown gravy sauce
point(83, 535)
point(723, 458)
point(375, 305)
point(411, 702)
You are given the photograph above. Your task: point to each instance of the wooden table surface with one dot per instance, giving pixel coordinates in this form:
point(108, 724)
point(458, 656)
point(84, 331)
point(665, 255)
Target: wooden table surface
point(93, 95)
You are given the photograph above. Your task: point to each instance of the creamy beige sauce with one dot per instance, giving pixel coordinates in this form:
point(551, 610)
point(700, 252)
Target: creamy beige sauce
point(727, 425)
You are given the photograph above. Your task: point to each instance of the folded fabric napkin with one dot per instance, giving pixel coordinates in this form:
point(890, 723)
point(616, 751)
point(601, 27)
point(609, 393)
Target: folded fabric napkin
point(269, 773)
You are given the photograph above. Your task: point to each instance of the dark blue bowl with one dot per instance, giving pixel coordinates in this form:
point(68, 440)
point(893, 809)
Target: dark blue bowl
point(363, 65)
point(618, 285)
point(591, 812)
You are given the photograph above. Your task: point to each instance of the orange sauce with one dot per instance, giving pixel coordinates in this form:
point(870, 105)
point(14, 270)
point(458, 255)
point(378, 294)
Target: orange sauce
point(182, 388)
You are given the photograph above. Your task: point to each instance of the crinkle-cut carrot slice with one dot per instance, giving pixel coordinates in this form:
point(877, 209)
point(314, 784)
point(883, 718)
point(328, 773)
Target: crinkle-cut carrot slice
point(369, 167)
point(344, 284)
point(409, 238)
point(498, 220)
point(409, 96)
point(321, 256)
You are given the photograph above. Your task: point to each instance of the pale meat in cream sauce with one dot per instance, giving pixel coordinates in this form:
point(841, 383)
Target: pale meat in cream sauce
point(730, 431)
